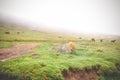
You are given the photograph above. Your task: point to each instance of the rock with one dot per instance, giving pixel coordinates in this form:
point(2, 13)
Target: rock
point(67, 48)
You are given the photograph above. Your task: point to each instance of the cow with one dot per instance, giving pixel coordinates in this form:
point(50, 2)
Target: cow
point(80, 37)
point(113, 41)
point(101, 40)
point(93, 40)
point(18, 32)
point(59, 36)
point(7, 32)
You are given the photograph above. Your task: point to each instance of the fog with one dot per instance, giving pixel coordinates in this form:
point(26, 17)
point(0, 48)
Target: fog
point(75, 16)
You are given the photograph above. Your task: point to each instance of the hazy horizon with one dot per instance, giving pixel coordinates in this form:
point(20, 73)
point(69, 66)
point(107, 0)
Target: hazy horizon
point(72, 16)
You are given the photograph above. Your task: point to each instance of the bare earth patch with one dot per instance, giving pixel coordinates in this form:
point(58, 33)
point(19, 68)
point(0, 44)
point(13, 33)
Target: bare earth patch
point(76, 74)
point(16, 51)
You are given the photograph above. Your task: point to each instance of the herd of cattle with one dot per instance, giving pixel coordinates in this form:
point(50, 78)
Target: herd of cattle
point(92, 39)
point(71, 46)
point(16, 32)
point(101, 40)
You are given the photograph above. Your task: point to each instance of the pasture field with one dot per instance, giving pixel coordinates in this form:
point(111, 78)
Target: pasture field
point(103, 57)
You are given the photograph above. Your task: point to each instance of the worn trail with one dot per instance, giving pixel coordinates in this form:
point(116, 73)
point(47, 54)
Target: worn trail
point(16, 51)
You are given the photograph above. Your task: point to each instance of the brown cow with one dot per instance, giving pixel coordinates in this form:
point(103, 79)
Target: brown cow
point(93, 39)
point(59, 36)
point(80, 37)
point(18, 32)
point(7, 32)
point(113, 41)
point(101, 40)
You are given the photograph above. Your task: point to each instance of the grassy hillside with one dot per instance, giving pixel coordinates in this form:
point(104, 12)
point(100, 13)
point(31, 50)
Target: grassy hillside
point(49, 64)
point(26, 34)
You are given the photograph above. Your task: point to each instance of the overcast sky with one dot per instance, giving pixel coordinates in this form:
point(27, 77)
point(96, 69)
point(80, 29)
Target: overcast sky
point(79, 16)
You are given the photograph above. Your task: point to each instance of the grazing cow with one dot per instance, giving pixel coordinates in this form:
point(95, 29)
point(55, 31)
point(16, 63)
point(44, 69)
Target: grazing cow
point(93, 40)
point(67, 48)
point(80, 37)
point(59, 36)
point(18, 32)
point(7, 32)
point(101, 40)
point(113, 41)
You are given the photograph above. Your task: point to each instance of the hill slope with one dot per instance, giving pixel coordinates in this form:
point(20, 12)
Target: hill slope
point(23, 33)
point(92, 60)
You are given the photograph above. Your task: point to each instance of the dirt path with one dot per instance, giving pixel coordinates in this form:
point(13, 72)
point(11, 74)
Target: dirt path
point(16, 51)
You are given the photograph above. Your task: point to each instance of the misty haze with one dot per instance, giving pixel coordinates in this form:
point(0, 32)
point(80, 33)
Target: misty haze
point(99, 17)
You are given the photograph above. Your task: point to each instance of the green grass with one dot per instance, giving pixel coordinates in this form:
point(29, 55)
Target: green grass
point(50, 63)
point(30, 35)
point(5, 44)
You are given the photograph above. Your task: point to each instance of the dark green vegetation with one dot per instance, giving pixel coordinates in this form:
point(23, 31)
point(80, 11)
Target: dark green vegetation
point(49, 64)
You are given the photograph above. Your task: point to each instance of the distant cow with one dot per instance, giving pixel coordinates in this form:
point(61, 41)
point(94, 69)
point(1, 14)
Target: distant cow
point(113, 41)
point(101, 40)
point(18, 32)
point(80, 37)
point(93, 40)
point(7, 32)
point(59, 36)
